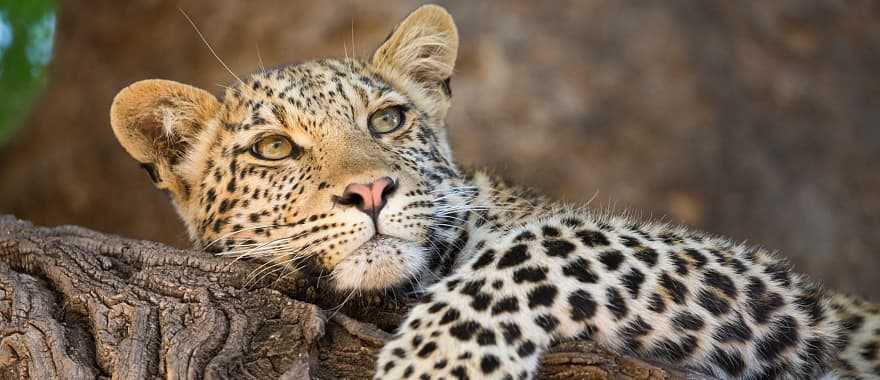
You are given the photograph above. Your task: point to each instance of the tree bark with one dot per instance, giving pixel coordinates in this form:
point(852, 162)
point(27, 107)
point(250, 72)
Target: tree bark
point(78, 304)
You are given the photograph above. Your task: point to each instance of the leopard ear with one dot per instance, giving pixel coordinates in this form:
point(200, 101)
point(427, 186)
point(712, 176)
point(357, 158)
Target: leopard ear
point(157, 121)
point(424, 46)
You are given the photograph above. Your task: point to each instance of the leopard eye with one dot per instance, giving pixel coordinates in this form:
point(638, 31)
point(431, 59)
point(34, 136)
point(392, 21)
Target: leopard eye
point(387, 120)
point(274, 147)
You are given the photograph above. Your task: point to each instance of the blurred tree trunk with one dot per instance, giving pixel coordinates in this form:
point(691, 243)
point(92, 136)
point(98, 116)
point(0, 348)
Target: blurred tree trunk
point(78, 304)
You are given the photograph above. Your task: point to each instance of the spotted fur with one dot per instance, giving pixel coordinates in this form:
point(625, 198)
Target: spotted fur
point(505, 272)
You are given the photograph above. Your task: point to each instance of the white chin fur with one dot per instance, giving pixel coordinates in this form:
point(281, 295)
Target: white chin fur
point(380, 263)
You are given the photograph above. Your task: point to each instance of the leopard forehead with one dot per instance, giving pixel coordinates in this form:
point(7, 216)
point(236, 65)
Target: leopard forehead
point(309, 98)
point(283, 209)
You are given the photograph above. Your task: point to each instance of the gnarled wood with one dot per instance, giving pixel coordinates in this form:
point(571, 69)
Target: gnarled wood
point(78, 304)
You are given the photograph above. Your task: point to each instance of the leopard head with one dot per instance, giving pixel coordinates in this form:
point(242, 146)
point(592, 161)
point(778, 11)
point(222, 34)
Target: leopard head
point(339, 165)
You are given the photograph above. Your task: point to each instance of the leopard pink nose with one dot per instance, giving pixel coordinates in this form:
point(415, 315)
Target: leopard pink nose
point(369, 198)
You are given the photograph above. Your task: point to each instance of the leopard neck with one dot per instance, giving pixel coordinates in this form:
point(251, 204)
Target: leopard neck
point(483, 207)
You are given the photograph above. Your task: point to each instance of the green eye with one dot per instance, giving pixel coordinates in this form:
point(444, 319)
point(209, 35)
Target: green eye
point(387, 120)
point(274, 147)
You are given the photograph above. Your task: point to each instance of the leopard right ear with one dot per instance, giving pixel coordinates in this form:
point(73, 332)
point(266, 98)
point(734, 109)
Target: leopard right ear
point(157, 121)
point(423, 46)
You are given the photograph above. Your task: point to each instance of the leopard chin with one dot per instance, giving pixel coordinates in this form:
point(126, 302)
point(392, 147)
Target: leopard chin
point(380, 263)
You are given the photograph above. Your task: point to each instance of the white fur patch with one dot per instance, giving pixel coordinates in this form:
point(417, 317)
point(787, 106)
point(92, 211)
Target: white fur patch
point(380, 263)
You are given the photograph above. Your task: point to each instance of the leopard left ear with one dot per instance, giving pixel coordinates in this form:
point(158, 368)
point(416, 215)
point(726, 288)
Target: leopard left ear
point(423, 47)
point(157, 122)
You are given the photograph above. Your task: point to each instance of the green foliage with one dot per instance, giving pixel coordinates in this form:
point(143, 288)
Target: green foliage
point(27, 32)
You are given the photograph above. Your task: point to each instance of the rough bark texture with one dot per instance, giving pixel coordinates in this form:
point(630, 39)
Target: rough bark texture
point(78, 304)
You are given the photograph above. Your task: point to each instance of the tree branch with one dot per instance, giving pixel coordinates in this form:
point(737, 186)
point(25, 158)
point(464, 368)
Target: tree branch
point(79, 304)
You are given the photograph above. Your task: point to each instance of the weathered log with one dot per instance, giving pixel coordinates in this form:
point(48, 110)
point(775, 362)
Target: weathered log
point(78, 304)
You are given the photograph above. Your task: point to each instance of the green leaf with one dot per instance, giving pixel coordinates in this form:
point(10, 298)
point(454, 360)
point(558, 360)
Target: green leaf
point(27, 38)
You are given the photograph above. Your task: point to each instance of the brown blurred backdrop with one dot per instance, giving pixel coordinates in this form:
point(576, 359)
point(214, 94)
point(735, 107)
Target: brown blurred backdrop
point(756, 120)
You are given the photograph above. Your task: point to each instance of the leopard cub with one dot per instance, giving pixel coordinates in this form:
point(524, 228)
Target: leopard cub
point(342, 166)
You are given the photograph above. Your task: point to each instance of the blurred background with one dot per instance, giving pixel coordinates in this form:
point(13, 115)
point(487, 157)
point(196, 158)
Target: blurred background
point(755, 120)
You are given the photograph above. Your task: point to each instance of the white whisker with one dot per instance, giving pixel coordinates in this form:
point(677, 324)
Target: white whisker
point(199, 32)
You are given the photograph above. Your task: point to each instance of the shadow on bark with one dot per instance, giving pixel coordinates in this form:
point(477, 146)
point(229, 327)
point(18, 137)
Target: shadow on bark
point(79, 304)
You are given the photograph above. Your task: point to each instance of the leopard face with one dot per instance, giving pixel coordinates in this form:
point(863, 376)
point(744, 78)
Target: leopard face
point(337, 165)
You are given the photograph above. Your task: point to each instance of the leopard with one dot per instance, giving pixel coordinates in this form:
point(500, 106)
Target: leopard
point(343, 166)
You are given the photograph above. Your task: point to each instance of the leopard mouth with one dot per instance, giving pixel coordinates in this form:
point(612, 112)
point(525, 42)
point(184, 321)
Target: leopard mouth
point(380, 263)
point(377, 241)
